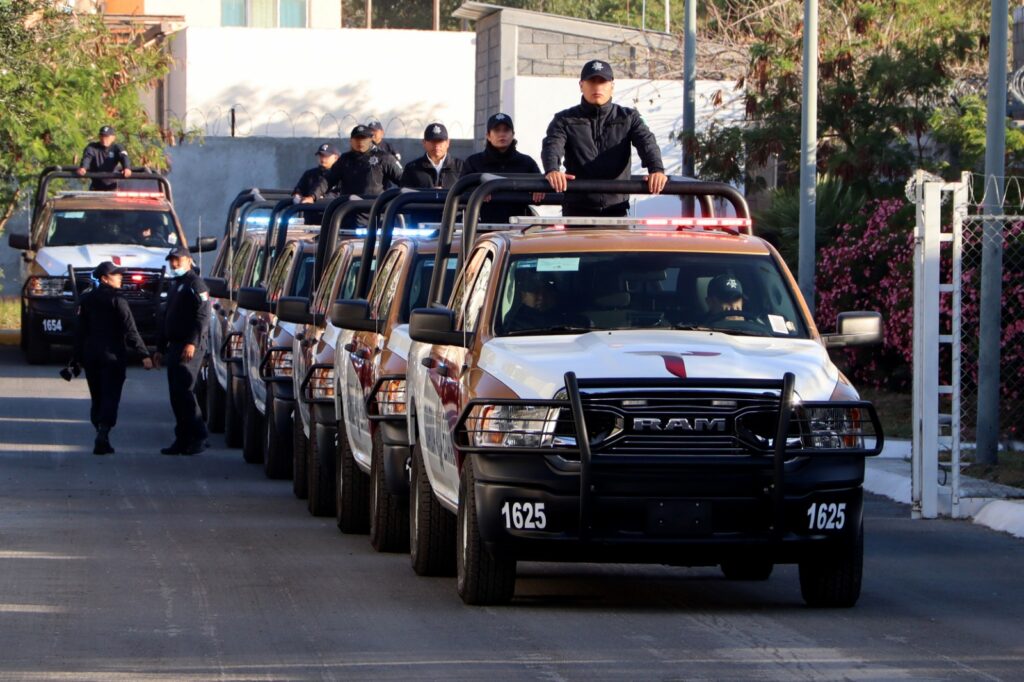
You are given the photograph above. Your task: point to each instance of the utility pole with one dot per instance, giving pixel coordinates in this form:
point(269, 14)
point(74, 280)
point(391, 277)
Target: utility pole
point(689, 93)
point(369, 13)
point(989, 331)
point(809, 154)
point(668, 15)
point(437, 15)
point(643, 15)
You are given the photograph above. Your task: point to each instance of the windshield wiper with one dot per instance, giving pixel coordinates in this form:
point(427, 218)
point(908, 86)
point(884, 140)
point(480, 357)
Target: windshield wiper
point(562, 328)
point(722, 330)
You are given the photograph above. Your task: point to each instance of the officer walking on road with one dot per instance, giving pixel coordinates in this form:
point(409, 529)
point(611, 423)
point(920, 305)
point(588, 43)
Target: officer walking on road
point(182, 346)
point(500, 156)
point(105, 339)
point(364, 170)
point(594, 139)
point(436, 169)
point(377, 128)
point(310, 187)
point(104, 157)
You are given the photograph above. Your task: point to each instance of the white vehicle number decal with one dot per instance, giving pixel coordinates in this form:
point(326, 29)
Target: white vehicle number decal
point(524, 515)
point(826, 516)
point(52, 326)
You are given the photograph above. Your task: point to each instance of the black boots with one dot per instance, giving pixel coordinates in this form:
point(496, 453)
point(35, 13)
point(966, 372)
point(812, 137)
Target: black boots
point(102, 445)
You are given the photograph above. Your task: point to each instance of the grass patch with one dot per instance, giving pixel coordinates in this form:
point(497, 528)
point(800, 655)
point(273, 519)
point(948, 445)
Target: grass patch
point(1009, 471)
point(895, 410)
point(10, 312)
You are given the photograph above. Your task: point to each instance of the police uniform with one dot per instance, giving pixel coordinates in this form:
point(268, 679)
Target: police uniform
point(99, 159)
point(421, 174)
point(185, 322)
point(106, 338)
point(313, 182)
point(595, 143)
point(494, 160)
point(363, 174)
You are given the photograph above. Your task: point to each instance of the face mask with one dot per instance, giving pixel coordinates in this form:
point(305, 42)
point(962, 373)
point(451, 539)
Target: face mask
point(179, 272)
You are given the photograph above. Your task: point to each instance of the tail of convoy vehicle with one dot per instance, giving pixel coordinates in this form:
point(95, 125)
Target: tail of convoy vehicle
point(268, 347)
point(584, 397)
point(313, 348)
point(371, 379)
point(72, 232)
point(249, 211)
point(242, 415)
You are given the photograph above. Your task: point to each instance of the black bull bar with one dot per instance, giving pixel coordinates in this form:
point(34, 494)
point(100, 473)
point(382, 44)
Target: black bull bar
point(575, 401)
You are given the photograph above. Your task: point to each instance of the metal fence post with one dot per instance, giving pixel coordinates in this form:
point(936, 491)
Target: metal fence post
point(925, 456)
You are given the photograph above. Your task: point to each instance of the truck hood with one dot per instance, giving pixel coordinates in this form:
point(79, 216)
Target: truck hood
point(534, 366)
point(56, 259)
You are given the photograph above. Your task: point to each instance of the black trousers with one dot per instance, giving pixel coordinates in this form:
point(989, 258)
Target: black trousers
point(613, 211)
point(105, 383)
point(189, 427)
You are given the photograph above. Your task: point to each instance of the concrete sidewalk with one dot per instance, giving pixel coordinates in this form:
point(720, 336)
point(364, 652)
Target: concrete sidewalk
point(988, 504)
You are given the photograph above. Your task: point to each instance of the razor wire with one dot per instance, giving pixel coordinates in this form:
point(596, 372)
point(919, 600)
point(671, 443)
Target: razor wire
point(236, 120)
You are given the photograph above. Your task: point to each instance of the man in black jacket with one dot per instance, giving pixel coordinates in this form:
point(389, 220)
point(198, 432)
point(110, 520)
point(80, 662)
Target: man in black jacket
point(500, 156)
point(594, 138)
point(183, 344)
point(436, 169)
point(308, 189)
point(104, 157)
point(105, 339)
point(364, 170)
point(377, 128)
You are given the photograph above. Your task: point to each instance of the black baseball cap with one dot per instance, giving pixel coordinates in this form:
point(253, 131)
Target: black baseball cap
point(498, 120)
point(435, 132)
point(327, 149)
point(374, 124)
point(725, 288)
point(361, 131)
point(596, 68)
point(106, 268)
point(179, 252)
point(107, 130)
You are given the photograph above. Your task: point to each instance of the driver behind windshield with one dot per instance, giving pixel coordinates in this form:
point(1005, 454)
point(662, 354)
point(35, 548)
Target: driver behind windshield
point(539, 305)
point(148, 235)
point(725, 296)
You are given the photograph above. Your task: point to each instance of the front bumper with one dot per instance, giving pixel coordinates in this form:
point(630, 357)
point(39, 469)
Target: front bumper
point(55, 319)
point(687, 508)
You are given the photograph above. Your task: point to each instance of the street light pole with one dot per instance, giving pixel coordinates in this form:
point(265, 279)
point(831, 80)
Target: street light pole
point(689, 94)
point(369, 13)
point(990, 331)
point(809, 154)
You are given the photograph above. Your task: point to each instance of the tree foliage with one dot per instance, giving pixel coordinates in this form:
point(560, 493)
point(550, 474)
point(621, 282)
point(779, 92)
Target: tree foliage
point(884, 67)
point(62, 76)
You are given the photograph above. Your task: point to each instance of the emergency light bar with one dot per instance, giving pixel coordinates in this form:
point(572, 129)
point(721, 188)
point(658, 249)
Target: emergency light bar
point(404, 231)
point(100, 193)
point(731, 225)
point(146, 195)
point(483, 227)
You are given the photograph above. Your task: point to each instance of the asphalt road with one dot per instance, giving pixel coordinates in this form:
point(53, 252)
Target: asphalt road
point(144, 567)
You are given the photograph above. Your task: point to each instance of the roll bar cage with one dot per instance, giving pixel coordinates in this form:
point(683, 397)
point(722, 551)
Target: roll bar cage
point(51, 173)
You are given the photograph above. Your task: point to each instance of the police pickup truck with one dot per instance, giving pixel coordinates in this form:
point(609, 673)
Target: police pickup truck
point(633, 390)
point(72, 232)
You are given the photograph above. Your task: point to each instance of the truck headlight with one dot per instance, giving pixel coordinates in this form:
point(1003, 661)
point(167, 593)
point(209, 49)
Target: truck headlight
point(390, 397)
point(834, 428)
point(512, 426)
point(321, 384)
point(280, 363)
point(47, 287)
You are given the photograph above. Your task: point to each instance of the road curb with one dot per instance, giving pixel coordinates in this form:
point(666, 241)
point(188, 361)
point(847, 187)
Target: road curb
point(889, 476)
point(10, 337)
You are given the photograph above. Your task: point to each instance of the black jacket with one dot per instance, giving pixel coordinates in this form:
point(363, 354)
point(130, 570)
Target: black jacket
point(106, 331)
point(595, 144)
point(490, 160)
point(388, 148)
point(420, 174)
point(187, 316)
point(364, 175)
point(99, 159)
point(311, 183)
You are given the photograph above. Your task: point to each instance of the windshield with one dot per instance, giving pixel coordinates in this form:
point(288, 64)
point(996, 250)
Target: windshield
point(419, 284)
point(566, 294)
point(142, 228)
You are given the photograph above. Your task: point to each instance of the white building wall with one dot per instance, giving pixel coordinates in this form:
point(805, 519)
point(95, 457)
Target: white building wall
point(320, 83)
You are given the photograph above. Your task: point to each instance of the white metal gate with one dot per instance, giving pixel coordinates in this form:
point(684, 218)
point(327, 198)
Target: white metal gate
point(937, 238)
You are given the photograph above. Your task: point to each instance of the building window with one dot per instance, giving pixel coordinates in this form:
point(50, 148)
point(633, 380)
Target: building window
point(263, 13)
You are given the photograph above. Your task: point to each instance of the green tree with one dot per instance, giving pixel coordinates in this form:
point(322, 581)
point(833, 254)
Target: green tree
point(884, 65)
point(62, 76)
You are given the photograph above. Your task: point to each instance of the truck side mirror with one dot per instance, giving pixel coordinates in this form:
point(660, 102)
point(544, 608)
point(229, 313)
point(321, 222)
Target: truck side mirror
point(19, 241)
point(436, 326)
point(353, 314)
point(860, 328)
